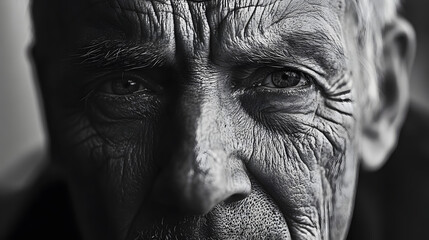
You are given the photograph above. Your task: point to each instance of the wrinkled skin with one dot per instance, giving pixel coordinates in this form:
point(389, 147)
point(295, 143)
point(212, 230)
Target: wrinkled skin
point(204, 144)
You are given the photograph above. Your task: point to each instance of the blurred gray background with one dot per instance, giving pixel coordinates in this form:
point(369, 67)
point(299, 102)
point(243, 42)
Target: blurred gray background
point(21, 131)
point(21, 128)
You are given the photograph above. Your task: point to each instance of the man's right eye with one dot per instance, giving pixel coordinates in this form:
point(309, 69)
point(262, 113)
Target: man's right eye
point(127, 84)
point(286, 79)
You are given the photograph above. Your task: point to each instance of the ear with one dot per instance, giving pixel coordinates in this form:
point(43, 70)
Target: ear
point(380, 134)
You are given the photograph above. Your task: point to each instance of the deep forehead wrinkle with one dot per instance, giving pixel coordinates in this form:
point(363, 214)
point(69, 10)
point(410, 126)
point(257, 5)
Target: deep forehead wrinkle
point(139, 20)
point(293, 30)
point(154, 17)
point(244, 19)
point(236, 26)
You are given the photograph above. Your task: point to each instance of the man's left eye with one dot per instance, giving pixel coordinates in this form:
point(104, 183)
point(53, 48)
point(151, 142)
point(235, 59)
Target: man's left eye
point(127, 84)
point(286, 79)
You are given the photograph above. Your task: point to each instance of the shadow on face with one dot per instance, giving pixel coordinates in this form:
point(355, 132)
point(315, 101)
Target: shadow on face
point(203, 120)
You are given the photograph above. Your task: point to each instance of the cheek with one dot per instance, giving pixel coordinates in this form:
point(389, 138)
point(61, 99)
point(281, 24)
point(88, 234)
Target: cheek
point(317, 129)
point(110, 161)
point(307, 164)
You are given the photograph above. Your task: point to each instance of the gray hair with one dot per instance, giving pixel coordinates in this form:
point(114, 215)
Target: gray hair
point(386, 11)
point(372, 17)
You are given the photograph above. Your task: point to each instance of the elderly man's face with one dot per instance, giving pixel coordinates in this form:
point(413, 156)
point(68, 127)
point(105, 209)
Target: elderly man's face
point(208, 120)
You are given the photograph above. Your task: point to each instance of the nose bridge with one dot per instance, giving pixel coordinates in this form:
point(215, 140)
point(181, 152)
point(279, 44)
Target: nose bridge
point(201, 153)
point(197, 112)
point(201, 171)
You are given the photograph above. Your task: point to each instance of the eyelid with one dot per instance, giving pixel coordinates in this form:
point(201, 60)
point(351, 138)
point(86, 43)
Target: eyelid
point(317, 78)
point(253, 75)
point(315, 75)
point(95, 81)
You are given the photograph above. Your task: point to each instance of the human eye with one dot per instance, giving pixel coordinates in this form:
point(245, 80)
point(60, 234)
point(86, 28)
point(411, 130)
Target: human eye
point(281, 80)
point(123, 95)
point(127, 83)
point(274, 96)
point(286, 78)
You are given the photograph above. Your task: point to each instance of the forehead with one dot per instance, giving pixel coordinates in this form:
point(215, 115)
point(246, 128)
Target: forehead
point(150, 20)
point(156, 14)
point(227, 28)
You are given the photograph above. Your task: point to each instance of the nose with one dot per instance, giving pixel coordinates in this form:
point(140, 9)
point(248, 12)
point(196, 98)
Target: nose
point(197, 184)
point(202, 169)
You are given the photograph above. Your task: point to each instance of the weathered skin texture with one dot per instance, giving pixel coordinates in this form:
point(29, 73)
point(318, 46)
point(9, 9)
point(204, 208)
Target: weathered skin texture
point(207, 147)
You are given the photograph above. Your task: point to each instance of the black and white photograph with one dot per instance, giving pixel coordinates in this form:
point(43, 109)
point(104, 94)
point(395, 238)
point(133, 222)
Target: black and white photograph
point(214, 119)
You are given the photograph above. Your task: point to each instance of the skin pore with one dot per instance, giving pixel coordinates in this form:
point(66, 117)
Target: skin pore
point(207, 119)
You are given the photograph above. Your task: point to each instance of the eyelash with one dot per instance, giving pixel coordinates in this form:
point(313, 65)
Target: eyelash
point(253, 80)
point(98, 82)
point(249, 79)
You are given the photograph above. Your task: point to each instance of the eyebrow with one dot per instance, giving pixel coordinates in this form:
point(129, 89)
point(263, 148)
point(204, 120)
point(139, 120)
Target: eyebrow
point(296, 47)
point(117, 54)
point(319, 46)
point(315, 47)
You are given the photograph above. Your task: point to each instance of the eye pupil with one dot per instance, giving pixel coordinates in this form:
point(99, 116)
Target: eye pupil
point(125, 86)
point(286, 79)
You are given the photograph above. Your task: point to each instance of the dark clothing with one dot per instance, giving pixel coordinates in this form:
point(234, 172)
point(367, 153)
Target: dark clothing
point(390, 204)
point(49, 216)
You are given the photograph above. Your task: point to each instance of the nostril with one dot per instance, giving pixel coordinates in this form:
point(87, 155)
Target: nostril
point(235, 198)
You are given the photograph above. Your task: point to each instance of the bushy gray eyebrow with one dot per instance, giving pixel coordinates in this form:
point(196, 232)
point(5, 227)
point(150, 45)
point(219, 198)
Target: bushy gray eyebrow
point(319, 46)
point(316, 47)
point(116, 54)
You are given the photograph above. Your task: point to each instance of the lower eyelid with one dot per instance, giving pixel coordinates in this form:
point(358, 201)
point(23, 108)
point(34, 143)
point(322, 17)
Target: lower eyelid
point(113, 98)
point(299, 90)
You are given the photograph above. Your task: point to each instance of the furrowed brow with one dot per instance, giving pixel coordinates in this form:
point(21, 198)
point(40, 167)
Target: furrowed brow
point(320, 47)
point(325, 54)
point(120, 55)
